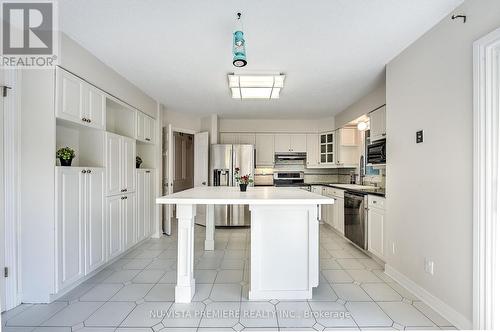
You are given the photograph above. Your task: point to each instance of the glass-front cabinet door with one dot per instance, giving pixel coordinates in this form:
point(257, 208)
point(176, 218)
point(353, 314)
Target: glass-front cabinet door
point(327, 148)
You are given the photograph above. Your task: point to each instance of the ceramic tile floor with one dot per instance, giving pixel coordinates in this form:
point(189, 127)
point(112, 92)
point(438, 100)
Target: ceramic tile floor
point(136, 294)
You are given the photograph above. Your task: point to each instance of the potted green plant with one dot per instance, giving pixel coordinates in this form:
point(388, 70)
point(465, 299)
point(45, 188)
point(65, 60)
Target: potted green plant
point(138, 162)
point(243, 180)
point(65, 156)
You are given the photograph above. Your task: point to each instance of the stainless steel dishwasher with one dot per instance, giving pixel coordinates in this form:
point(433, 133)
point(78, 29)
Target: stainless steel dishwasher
point(355, 218)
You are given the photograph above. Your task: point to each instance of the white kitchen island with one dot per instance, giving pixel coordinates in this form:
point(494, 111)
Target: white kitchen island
point(284, 258)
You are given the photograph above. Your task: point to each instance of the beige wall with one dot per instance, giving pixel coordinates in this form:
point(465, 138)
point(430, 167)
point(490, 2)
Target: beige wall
point(429, 185)
point(81, 62)
point(368, 103)
point(181, 120)
point(276, 125)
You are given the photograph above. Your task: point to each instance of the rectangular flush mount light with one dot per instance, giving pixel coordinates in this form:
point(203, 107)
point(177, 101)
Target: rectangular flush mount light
point(256, 86)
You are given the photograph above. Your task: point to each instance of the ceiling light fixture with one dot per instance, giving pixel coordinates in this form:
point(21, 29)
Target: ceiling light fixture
point(256, 86)
point(239, 51)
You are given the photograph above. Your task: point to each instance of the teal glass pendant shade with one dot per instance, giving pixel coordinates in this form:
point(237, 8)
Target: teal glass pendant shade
point(239, 52)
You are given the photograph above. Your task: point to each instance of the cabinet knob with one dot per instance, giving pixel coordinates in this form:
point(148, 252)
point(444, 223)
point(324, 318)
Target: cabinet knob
point(89, 171)
point(84, 171)
point(123, 197)
point(148, 139)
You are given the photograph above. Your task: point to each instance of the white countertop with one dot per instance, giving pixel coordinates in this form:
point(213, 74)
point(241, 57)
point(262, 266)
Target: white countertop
point(253, 195)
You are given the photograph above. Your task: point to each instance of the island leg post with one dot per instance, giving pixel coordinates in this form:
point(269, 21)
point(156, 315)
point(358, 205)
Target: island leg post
point(209, 228)
point(185, 288)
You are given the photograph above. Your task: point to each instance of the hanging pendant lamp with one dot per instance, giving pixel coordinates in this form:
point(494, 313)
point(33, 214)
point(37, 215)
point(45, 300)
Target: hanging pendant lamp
point(239, 52)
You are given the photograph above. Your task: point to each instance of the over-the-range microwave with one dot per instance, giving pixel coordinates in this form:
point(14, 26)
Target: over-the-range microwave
point(376, 153)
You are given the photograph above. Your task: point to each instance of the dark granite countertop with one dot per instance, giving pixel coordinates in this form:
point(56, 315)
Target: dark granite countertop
point(375, 191)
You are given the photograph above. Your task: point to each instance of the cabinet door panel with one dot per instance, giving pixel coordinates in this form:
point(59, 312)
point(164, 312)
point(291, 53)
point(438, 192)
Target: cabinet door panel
point(128, 164)
point(376, 232)
point(149, 129)
point(312, 149)
point(282, 143)
point(148, 195)
point(69, 103)
point(129, 220)
point(140, 134)
point(298, 142)
point(246, 139)
point(378, 124)
point(141, 204)
point(70, 226)
point(264, 148)
point(228, 138)
point(113, 164)
point(114, 226)
point(340, 215)
point(95, 221)
point(96, 111)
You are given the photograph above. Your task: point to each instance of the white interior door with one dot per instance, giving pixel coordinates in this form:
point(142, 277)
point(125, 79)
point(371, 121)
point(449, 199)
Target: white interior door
point(2, 200)
point(168, 165)
point(201, 159)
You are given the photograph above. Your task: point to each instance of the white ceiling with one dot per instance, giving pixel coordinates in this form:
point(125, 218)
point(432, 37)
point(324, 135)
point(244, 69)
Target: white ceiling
point(333, 52)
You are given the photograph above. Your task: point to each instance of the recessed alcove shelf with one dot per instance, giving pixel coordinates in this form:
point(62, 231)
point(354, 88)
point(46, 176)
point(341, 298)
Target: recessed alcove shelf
point(88, 144)
point(120, 118)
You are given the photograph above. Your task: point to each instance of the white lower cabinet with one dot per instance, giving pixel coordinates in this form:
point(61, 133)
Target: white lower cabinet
point(145, 203)
point(129, 219)
point(376, 219)
point(80, 231)
point(333, 215)
point(115, 226)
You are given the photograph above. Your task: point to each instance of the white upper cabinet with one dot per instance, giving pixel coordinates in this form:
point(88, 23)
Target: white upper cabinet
point(378, 124)
point(347, 147)
point(264, 146)
point(120, 164)
point(246, 138)
point(312, 150)
point(69, 97)
point(281, 143)
point(228, 138)
point(145, 128)
point(298, 143)
point(284, 143)
point(237, 138)
point(79, 102)
point(94, 107)
point(326, 148)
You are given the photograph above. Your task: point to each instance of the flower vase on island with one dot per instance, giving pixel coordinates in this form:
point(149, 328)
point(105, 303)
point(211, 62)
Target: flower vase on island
point(243, 180)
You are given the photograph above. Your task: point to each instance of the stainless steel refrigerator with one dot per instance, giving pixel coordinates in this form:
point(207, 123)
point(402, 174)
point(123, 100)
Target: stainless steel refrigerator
point(224, 159)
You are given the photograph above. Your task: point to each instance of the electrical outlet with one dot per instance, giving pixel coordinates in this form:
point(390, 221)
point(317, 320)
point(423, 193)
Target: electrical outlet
point(429, 266)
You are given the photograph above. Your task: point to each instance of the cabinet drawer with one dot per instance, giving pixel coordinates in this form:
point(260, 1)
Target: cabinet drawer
point(338, 192)
point(376, 202)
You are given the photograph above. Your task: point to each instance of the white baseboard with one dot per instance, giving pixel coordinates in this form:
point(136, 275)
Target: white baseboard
point(450, 314)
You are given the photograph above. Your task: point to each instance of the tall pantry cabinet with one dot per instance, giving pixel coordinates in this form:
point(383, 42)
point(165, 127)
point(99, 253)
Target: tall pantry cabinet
point(104, 204)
